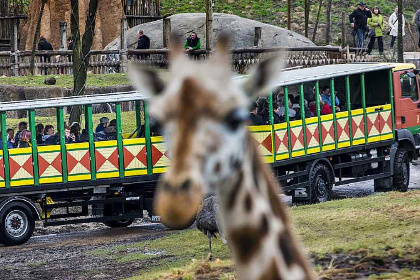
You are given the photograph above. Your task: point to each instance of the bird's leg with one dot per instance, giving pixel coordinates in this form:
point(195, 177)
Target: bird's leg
point(209, 237)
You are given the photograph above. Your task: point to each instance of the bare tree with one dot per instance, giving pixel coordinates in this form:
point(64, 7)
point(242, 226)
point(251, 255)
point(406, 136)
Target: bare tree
point(328, 27)
point(307, 9)
point(317, 20)
point(81, 51)
point(400, 32)
point(289, 16)
point(36, 35)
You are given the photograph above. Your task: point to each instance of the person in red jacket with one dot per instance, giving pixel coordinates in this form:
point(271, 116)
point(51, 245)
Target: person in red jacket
point(325, 108)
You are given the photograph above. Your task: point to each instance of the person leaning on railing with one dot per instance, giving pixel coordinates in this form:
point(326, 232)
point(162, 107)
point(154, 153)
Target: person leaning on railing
point(193, 43)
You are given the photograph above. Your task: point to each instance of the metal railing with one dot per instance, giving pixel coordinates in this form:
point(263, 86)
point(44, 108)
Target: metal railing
point(116, 61)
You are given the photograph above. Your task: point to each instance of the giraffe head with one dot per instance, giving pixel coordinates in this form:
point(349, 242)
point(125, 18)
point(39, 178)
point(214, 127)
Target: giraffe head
point(204, 113)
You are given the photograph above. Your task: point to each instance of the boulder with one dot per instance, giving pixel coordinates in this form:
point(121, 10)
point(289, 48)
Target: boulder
point(242, 31)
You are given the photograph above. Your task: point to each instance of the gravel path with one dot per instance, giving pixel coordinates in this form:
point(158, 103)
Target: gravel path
point(66, 252)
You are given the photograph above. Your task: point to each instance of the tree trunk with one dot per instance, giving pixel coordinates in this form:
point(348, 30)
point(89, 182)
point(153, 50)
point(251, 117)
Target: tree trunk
point(307, 9)
point(400, 32)
point(289, 16)
point(36, 35)
point(328, 27)
point(317, 21)
point(81, 52)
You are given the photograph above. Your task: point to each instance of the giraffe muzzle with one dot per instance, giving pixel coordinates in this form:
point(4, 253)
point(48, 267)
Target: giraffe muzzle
point(177, 204)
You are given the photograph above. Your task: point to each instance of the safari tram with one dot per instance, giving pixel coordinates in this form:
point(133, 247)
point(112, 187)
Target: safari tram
point(371, 133)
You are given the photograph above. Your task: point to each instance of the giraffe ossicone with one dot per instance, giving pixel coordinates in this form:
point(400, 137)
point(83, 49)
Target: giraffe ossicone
point(204, 113)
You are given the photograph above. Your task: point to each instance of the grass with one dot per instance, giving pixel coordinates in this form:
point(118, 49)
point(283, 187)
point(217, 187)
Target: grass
point(66, 81)
point(382, 226)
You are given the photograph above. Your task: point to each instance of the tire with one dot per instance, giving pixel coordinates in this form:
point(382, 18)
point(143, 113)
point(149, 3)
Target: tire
point(119, 223)
point(401, 170)
point(17, 223)
point(320, 183)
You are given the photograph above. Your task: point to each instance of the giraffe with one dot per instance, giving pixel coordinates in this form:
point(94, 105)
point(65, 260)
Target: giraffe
point(204, 116)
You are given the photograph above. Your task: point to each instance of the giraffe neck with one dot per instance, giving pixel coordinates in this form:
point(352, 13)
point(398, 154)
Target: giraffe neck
point(257, 224)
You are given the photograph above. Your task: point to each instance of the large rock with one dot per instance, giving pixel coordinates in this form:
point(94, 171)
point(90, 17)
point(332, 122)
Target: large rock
point(241, 29)
point(108, 22)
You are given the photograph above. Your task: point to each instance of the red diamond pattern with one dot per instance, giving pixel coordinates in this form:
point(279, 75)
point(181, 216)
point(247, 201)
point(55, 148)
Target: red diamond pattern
point(1, 168)
point(72, 162)
point(310, 135)
point(326, 132)
point(356, 126)
point(375, 123)
point(267, 143)
point(14, 166)
point(156, 155)
point(344, 129)
point(294, 138)
point(283, 141)
point(43, 164)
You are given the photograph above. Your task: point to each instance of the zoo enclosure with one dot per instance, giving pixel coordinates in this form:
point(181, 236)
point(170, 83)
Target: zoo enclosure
point(111, 61)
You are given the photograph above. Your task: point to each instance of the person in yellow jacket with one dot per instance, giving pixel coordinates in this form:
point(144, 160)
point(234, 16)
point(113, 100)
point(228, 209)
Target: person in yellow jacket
point(377, 23)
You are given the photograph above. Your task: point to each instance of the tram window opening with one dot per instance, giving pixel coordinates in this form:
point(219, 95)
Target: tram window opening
point(409, 87)
point(377, 88)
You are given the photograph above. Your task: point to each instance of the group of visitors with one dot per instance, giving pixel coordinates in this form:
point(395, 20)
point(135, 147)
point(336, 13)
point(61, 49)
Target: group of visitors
point(192, 43)
point(370, 23)
point(46, 135)
point(259, 111)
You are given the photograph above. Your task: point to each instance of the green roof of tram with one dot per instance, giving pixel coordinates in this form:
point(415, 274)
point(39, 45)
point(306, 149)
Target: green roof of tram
point(289, 77)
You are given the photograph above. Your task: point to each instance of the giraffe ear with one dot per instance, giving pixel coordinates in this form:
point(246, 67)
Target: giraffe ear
point(145, 80)
point(264, 77)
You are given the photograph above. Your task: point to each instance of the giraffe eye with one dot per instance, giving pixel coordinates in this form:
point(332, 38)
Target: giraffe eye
point(235, 118)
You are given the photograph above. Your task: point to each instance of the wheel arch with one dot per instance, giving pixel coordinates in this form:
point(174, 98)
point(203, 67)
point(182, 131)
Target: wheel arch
point(24, 200)
point(406, 140)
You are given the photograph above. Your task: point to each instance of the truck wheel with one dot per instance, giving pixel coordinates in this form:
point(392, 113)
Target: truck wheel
point(320, 183)
point(17, 223)
point(119, 223)
point(401, 170)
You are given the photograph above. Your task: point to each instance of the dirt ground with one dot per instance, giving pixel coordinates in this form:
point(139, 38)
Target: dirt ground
point(65, 252)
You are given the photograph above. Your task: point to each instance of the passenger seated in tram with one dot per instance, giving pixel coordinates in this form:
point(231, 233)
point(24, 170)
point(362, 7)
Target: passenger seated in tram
point(24, 139)
point(325, 109)
point(39, 133)
point(254, 118)
point(326, 97)
point(75, 130)
point(10, 138)
point(69, 137)
point(109, 133)
point(282, 110)
point(21, 127)
point(84, 137)
point(103, 122)
point(276, 116)
point(263, 109)
point(49, 137)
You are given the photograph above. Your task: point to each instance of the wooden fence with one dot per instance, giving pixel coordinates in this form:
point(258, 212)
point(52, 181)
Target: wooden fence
point(116, 61)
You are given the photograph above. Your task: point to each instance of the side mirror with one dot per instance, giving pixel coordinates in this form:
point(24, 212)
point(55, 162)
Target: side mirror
point(411, 74)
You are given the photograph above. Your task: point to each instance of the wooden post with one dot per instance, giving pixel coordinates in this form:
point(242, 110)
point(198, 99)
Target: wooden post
point(343, 29)
point(63, 35)
point(257, 38)
point(289, 17)
point(14, 47)
point(123, 37)
point(123, 46)
point(166, 32)
point(209, 24)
